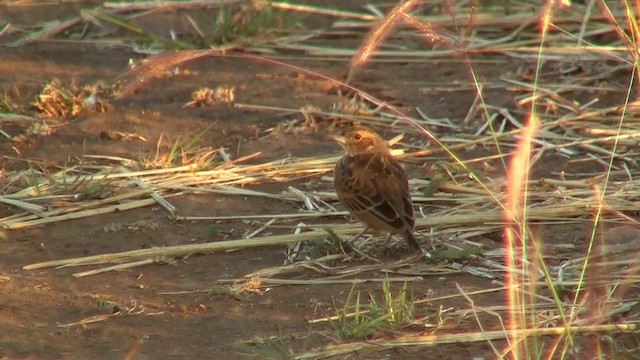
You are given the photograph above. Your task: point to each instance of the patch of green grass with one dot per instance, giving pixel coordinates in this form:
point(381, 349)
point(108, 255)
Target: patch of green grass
point(135, 34)
point(83, 188)
point(362, 317)
point(249, 21)
point(258, 19)
point(7, 105)
point(274, 347)
point(467, 252)
point(278, 347)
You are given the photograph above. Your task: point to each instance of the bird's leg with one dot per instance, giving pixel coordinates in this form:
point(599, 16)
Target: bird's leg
point(386, 244)
point(367, 227)
point(353, 239)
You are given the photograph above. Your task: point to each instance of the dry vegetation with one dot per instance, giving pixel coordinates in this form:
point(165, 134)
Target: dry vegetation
point(568, 52)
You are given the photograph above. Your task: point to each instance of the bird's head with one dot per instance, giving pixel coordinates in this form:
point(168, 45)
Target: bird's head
point(362, 140)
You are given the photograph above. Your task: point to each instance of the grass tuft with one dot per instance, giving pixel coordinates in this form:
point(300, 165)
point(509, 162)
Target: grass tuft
point(57, 101)
point(7, 104)
point(372, 316)
point(273, 347)
point(256, 19)
point(182, 152)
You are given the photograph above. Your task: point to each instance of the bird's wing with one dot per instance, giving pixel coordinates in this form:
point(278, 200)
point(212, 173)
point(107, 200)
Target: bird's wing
point(373, 187)
point(399, 176)
point(395, 180)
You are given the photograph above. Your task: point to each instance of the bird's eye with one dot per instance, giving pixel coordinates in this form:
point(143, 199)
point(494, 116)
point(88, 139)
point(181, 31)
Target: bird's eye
point(357, 136)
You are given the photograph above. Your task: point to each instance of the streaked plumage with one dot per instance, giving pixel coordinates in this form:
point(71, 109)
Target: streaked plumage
point(373, 186)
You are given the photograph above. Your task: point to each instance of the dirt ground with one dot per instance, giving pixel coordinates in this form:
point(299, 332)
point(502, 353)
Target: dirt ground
point(34, 304)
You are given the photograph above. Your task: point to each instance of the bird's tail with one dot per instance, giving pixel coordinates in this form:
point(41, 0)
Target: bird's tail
point(411, 241)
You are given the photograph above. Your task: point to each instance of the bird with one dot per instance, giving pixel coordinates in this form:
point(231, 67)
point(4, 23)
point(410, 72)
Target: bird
point(373, 185)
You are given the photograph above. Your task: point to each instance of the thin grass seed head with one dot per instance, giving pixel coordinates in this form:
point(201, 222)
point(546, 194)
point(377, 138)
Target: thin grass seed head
point(208, 97)
point(353, 106)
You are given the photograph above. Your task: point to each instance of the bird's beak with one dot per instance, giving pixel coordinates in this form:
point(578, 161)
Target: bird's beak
point(340, 140)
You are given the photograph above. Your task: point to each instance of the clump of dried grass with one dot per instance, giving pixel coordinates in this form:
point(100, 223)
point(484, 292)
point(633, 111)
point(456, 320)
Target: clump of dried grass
point(209, 97)
point(59, 102)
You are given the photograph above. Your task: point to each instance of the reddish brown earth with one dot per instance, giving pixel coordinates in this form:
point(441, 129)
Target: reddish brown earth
point(190, 326)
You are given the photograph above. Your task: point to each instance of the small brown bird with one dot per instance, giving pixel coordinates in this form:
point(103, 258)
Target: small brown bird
point(373, 186)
